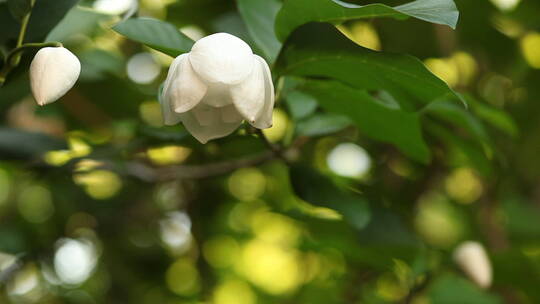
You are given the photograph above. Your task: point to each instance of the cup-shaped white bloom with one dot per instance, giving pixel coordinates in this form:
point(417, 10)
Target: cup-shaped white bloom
point(53, 72)
point(473, 260)
point(216, 86)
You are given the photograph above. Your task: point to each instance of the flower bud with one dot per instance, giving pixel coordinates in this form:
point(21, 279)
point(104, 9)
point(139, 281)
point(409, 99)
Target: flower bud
point(473, 260)
point(53, 72)
point(216, 86)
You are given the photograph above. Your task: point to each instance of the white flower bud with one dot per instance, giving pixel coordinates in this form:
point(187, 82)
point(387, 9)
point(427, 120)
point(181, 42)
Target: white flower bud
point(216, 86)
point(53, 72)
point(473, 260)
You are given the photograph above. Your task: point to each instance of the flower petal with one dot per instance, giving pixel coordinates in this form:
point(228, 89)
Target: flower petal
point(218, 95)
point(170, 118)
point(264, 120)
point(222, 58)
point(249, 95)
point(216, 129)
point(53, 72)
point(230, 114)
point(206, 115)
point(185, 89)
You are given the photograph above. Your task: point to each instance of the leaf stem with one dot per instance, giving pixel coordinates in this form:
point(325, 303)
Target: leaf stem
point(14, 57)
point(24, 26)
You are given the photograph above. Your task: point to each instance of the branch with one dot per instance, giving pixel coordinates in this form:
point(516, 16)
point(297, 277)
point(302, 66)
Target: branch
point(150, 174)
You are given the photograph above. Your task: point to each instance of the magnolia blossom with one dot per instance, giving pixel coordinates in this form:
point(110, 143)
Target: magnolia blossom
point(53, 72)
point(473, 260)
point(216, 86)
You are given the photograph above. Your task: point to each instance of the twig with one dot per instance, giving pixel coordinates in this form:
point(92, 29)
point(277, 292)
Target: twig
point(276, 150)
point(150, 174)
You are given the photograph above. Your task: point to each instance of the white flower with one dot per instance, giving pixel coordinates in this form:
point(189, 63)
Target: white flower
point(216, 86)
point(53, 72)
point(473, 260)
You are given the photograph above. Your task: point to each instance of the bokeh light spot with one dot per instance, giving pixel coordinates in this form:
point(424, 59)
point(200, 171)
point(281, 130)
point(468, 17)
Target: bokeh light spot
point(247, 184)
point(506, 5)
point(168, 155)
point(35, 203)
point(142, 68)
point(530, 47)
point(464, 186)
point(221, 251)
point(113, 7)
point(363, 34)
point(349, 160)
point(74, 260)
point(444, 69)
point(183, 278)
point(99, 184)
point(279, 128)
point(234, 292)
point(275, 228)
point(175, 231)
point(273, 268)
point(437, 221)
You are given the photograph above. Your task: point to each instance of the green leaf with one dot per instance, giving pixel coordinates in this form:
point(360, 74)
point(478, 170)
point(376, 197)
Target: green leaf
point(322, 124)
point(80, 20)
point(300, 105)
point(259, 16)
point(19, 144)
point(460, 117)
point(461, 152)
point(495, 117)
point(317, 189)
point(295, 13)
point(450, 289)
point(518, 270)
point(19, 8)
point(46, 14)
point(159, 35)
point(320, 50)
point(372, 118)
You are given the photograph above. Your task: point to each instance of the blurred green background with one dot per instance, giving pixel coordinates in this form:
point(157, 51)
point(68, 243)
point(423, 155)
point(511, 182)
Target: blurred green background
point(100, 203)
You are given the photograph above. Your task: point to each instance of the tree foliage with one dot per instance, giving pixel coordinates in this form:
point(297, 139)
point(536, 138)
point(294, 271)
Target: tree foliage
point(401, 130)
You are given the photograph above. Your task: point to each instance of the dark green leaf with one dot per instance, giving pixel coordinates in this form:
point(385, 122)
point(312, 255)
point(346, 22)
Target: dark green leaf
point(315, 188)
point(19, 8)
point(521, 219)
point(451, 289)
point(461, 152)
point(294, 13)
point(98, 64)
point(460, 117)
point(517, 270)
point(495, 117)
point(46, 14)
point(374, 119)
point(26, 145)
point(322, 124)
point(300, 105)
point(320, 50)
point(260, 16)
point(156, 34)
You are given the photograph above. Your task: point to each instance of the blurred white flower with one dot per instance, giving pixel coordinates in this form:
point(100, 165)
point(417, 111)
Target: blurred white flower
point(114, 7)
point(348, 159)
point(473, 260)
point(53, 72)
point(212, 89)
